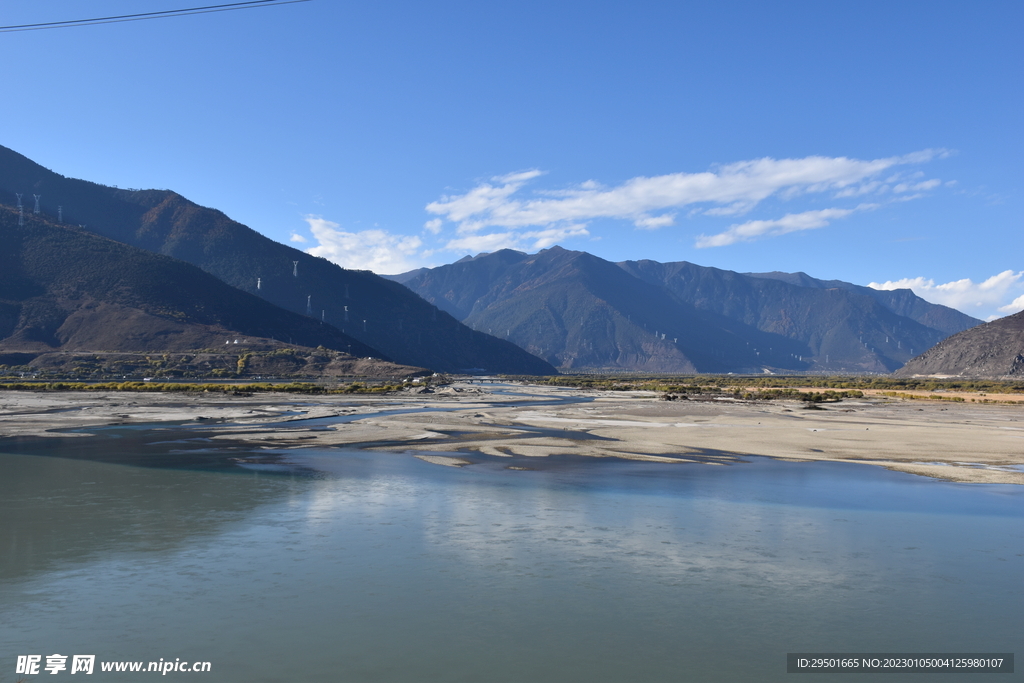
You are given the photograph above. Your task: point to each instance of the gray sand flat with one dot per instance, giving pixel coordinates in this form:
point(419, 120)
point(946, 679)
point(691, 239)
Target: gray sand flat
point(953, 441)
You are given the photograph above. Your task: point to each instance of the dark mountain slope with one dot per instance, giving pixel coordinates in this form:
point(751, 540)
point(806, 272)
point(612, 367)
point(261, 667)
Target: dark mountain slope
point(380, 313)
point(66, 288)
point(469, 284)
point(846, 328)
point(579, 311)
point(900, 301)
point(990, 351)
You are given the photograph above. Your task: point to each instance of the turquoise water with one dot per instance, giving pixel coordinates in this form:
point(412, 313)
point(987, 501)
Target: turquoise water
point(342, 565)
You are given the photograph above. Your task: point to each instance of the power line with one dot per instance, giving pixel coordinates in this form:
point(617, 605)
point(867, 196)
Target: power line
point(252, 4)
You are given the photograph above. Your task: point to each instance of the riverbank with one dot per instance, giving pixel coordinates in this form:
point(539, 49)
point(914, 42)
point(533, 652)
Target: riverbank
point(963, 442)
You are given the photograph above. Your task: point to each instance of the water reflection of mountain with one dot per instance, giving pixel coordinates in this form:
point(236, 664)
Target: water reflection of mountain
point(389, 568)
point(56, 511)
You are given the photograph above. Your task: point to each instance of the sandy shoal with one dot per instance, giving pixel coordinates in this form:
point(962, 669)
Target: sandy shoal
point(953, 441)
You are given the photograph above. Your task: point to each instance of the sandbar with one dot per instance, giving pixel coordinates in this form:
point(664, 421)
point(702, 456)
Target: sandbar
point(961, 442)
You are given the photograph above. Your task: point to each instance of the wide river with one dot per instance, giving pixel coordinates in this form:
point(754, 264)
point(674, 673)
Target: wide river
point(347, 565)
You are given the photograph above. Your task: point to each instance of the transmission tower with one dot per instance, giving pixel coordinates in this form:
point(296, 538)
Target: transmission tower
point(60, 213)
point(346, 314)
point(309, 305)
point(21, 211)
point(259, 283)
point(37, 196)
point(295, 268)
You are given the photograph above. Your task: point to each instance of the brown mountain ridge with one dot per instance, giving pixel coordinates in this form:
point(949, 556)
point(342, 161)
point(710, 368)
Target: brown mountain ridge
point(994, 350)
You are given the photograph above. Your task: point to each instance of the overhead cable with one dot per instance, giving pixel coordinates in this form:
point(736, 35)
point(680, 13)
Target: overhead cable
point(252, 4)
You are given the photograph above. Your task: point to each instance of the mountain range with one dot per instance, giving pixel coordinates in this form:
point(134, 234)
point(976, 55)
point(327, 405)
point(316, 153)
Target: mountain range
point(363, 308)
point(103, 268)
point(581, 312)
point(75, 303)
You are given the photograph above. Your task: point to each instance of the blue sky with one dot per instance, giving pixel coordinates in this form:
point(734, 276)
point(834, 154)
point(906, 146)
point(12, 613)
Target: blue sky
point(868, 142)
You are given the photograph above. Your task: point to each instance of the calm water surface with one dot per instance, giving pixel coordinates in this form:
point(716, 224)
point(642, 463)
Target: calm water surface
point(342, 565)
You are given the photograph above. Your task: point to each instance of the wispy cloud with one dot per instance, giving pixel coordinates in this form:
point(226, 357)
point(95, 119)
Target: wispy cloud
point(650, 202)
point(917, 187)
point(531, 240)
point(376, 250)
point(793, 222)
point(974, 298)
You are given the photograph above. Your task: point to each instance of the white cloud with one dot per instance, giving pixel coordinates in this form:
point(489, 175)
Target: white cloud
point(433, 226)
point(1015, 306)
point(376, 250)
point(862, 189)
point(793, 222)
point(655, 222)
point(908, 197)
point(296, 237)
point(482, 198)
point(733, 209)
point(978, 299)
point(917, 187)
point(734, 188)
point(532, 240)
point(479, 244)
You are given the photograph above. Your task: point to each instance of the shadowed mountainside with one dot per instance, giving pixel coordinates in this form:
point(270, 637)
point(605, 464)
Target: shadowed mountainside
point(66, 288)
point(900, 301)
point(845, 327)
point(373, 310)
point(578, 311)
point(994, 350)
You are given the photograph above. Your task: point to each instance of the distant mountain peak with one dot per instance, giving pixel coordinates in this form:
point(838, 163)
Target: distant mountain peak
point(577, 310)
point(376, 311)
